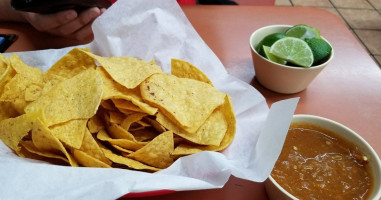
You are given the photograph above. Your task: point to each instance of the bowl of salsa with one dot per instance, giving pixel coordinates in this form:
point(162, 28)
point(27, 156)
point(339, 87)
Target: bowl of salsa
point(323, 159)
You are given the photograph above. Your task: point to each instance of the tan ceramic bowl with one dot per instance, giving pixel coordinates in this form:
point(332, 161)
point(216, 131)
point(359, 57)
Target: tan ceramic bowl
point(276, 192)
point(281, 78)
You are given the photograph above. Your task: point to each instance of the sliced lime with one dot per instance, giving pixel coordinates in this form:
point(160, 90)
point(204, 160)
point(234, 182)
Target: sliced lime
point(303, 32)
point(293, 50)
point(268, 41)
point(272, 57)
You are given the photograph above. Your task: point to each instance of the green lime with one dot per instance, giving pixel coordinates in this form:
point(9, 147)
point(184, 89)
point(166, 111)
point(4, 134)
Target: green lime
point(268, 41)
point(293, 50)
point(303, 32)
point(320, 49)
point(272, 57)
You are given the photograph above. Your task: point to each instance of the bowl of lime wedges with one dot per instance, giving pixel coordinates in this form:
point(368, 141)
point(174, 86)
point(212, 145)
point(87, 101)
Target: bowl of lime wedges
point(287, 58)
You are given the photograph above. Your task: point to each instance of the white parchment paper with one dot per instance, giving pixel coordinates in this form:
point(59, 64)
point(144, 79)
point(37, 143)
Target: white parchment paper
point(156, 30)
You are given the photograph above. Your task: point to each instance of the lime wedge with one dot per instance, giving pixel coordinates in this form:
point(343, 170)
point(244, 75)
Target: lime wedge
point(320, 49)
point(268, 41)
point(293, 50)
point(272, 57)
point(303, 32)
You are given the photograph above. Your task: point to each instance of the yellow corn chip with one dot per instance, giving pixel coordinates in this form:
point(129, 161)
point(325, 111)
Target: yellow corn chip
point(71, 64)
point(127, 105)
point(108, 105)
point(116, 117)
point(114, 90)
point(4, 63)
point(33, 92)
point(156, 153)
point(186, 101)
point(118, 132)
point(92, 148)
point(28, 145)
point(95, 124)
point(227, 110)
point(6, 72)
point(124, 143)
point(32, 73)
point(121, 149)
point(158, 127)
point(144, 134)
point(128, 162)
point(12, 130)
point(119, 67)
point(183, 69)
point(86, 160)
point(126, 124)
point(71, 133)
point(45, 141)
point(210, 133)
point(75, 98)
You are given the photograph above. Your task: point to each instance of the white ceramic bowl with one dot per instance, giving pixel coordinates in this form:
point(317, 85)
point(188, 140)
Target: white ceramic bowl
point(281, 78)
point(276, 192)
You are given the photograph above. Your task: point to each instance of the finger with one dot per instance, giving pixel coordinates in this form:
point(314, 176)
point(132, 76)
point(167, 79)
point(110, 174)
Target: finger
point(83, 19)
point(85, 33)
point(103, 10)
point(46, 22)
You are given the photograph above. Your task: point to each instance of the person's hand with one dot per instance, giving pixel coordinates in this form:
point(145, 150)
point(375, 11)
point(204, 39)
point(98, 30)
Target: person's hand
point(68, 23)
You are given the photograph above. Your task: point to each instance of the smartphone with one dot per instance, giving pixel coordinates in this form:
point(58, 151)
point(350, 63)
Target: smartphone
point(6, 40)
point(52, 6)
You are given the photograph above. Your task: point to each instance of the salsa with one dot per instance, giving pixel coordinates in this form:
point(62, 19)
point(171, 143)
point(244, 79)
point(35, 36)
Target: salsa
point(317, 164)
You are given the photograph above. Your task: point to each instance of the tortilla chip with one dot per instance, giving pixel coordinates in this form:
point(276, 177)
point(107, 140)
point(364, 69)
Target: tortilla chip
point(183, 69)
point(19, 127)
point(95, 124)
point(158, 127)
point(144, 134)
point(28, 145)
point(25, 153)
point(187, 102)
point(121, 149)
point(92, 148)
point(71, 133)
point(227, 110)
point(75, 98)
point(128, 162)
point(71, 64)
point(33, 92)
point(46, 142)
point(4, 63)
point(126, 124)
point(187, 149)
point(124, 143)
point(119, 67)
point(118, 132)
point(127, 105)
point(32, 73)
point(86, 160)
point(113, 90)
point(156, 153)
point(7, 110)
point(6, 72)
point(16, 88)
point(108, 105)
point(210, 133)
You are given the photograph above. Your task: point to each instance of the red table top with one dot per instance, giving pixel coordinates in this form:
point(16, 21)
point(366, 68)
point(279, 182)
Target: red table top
point(348, 90)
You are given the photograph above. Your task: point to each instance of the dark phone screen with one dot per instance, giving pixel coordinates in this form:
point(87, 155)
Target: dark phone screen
point(6, 40)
